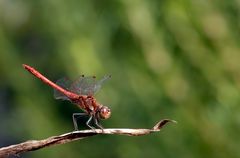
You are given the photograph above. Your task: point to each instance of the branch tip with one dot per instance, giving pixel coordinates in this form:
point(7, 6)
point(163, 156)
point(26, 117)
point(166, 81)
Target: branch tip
point(162, 123)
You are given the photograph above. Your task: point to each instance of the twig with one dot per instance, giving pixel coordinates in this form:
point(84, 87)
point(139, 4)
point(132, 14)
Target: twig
point(32, 145)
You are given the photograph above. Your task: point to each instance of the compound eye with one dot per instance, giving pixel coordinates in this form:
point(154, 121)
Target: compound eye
point(105, 112)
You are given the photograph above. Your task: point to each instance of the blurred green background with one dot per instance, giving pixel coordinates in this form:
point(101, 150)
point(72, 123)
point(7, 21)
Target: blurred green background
point(168, 59)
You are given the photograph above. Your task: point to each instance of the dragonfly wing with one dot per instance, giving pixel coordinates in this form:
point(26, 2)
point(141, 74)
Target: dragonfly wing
point(98, 85)
point(87, 85)
point(83, 85)
point(64, 83)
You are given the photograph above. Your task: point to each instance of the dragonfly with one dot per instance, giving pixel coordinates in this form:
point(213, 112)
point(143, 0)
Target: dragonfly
point(81, 93)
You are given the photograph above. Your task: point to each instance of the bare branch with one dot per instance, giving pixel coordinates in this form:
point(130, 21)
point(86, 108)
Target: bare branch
point(71, 136)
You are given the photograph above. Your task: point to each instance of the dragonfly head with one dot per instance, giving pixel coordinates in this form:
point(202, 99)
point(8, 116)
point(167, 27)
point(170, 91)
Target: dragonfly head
point(104, 112)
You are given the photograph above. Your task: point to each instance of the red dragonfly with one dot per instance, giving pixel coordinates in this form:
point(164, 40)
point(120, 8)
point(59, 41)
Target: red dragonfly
point(79, 92)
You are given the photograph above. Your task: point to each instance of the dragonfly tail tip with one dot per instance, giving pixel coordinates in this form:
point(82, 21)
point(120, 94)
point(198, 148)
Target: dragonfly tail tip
point(24, 66)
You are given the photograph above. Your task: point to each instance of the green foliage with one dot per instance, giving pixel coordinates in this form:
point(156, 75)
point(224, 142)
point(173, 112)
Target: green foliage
point(168, 59)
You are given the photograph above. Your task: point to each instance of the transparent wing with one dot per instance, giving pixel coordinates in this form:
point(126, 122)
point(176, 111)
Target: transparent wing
point(98, 85)
point(83, 85)
point(64, 83)
point(87, 85)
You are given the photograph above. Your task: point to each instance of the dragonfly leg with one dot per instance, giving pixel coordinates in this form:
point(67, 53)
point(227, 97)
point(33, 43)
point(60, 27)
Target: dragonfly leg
point(87, 123)
point(75, 120)
point(96, 120)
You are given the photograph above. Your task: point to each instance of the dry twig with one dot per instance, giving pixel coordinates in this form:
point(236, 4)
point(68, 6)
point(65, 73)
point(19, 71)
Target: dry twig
point(71, 136)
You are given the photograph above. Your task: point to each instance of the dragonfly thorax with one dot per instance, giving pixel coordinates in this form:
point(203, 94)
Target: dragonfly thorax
point(91, 106)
